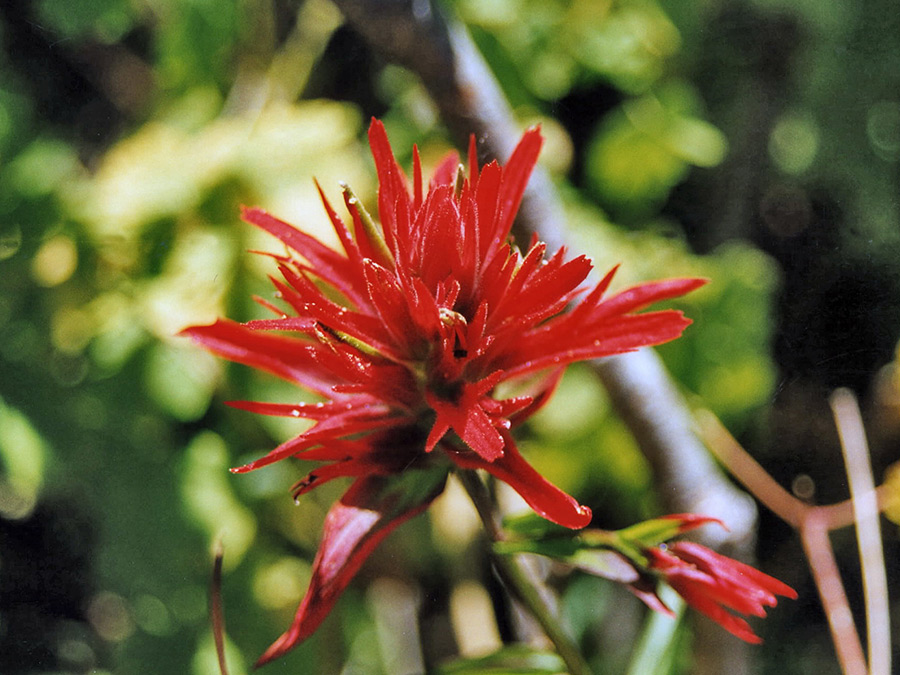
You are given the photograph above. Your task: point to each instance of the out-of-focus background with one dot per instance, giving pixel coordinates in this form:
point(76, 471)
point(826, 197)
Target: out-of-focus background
point(754, 142)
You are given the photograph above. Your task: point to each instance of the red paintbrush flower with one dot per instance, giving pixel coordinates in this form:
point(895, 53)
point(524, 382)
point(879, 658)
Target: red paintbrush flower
point(406, 334)
point(712, 584)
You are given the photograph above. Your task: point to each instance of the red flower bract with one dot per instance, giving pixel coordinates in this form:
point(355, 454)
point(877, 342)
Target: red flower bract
point(406, 333)
point(713, 584)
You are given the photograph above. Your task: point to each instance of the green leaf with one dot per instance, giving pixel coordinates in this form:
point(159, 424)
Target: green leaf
point(653, 532)
point(207, 492)
point(414, 486)
point(592, 553)
point(24, 456)
point(512, 660)
point(529, 525)
point(605, 563)
point(656, 648)
point(892, 486)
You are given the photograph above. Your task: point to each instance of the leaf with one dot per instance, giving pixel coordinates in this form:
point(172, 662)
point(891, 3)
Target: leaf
point(529, 525)
point(656, 649)
point(601, 562)
point(892, 487)
point(653, 532)
point(512, 660)
point(608, 564)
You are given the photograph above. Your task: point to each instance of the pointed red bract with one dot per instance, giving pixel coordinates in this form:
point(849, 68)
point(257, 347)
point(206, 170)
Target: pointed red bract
point(354, 526)
point(405, 332)
point(713, 584)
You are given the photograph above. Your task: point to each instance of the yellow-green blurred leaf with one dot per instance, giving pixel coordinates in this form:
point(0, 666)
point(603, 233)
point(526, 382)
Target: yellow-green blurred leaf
point(207, 494)
point(181, 379)
point(24, 456)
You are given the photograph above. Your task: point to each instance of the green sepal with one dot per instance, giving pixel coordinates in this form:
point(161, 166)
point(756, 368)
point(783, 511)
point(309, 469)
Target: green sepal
point(653, 532)
point(529, 525)
point(414, 486)
point(616, 555)
point(372, 230)
point(575, 551)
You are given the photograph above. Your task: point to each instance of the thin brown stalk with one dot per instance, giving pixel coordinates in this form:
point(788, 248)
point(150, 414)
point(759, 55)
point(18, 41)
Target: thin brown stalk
point(748, 471)
point(761, 485)
point(868, 529)
point(814, 523)
point(216, 613)
point(814, 535)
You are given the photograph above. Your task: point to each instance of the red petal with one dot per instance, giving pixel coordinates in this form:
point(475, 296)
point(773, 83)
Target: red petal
point(354, 467)
point(290, 358)
point(355, 525)
point(546, 499)
point(516, 173)
point(739, 573)
point(566, 343)
point(446, 171)
point(392, 188)
point(327, 263)
point(697, 599)
point(472, 424)
point(646, 294)
point(645, 590)
point(283, 451)
point(473, 160)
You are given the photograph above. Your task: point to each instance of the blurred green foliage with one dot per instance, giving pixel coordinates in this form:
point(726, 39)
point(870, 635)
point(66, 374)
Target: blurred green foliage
point(130, 134)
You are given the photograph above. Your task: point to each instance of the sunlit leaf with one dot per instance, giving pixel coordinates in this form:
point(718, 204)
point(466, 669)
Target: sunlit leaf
point(24, 456)
point(180, 380)
point(210, 500)
point(892, 487)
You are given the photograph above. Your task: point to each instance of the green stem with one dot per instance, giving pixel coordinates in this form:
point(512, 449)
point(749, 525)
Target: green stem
point(522, 581)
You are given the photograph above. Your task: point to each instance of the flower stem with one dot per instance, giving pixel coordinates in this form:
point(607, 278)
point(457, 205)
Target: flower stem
point(522, 581)
point(868, 530)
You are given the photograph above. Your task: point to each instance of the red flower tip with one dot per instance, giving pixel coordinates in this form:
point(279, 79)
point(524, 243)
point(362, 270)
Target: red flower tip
point(713, 584)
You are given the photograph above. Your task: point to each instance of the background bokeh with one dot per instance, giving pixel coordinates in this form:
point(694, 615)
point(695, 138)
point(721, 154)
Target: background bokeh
point(753, 142)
